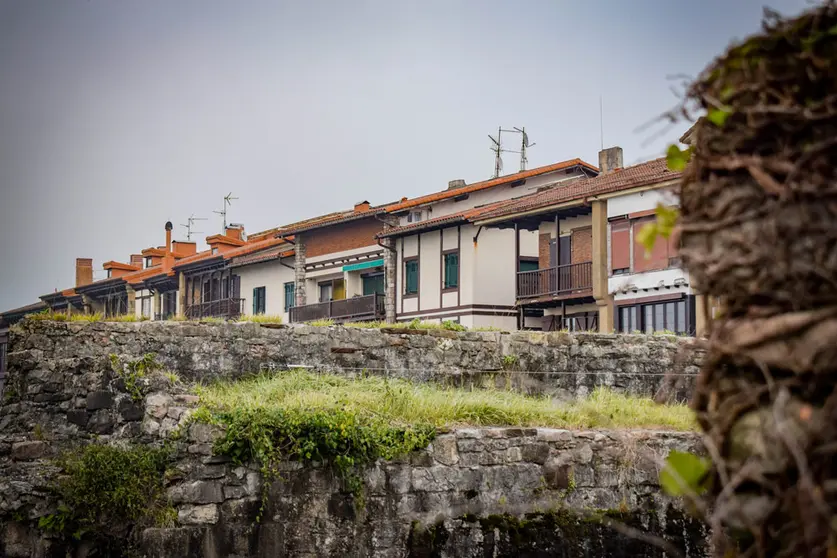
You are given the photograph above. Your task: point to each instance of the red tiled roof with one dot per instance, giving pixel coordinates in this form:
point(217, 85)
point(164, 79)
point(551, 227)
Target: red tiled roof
point(264, 256)
point(270, 233)
point(643, 174)
point(335, 219)
point(140, 276)
point(119, 265)
point(652, 172)
point(194, 258)
point(477, 186)
point(224, 239)
point(254, 247)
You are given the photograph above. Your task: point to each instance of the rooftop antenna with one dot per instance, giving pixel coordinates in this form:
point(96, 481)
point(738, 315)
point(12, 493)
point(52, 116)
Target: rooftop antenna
point(191, 223)
point(223, 213)
point(497, 148)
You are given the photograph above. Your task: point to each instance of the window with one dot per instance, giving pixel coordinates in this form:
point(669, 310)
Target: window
point(414, 217)
point(290, 296)
point(656, 316)
point(529, 265)
point(451, 274)
point(110, 273)
point(214, 250)
point(411, 271)
point(147, 262)
point(373, 283)
point(326, 291)
point(259, 301)
point(145, 306)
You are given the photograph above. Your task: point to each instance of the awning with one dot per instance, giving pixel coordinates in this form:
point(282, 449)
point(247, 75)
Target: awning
point(364, 265)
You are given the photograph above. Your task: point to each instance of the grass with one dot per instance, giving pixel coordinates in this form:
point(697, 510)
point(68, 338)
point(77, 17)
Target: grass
point(95, 317)
point(414, 324)
point(320, 323)
point(399, 402)
point(262, 319)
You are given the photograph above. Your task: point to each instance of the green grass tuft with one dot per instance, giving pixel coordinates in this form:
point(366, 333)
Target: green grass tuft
point(400, 402)
point(262, 319)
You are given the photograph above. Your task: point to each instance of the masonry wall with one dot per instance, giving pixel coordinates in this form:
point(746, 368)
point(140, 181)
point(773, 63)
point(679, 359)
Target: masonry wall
point(354, 234)
point(557, 363)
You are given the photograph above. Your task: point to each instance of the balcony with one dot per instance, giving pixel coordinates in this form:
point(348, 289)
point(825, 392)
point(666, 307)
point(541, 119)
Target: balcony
point(370, 307)
point(563, 281)
point(228, 308)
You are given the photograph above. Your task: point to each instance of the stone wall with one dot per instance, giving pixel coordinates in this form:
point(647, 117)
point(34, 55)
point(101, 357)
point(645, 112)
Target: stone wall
point(558, 364)
point(473, 492)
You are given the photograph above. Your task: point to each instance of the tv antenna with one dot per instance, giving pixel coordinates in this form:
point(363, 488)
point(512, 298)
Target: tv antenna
point(497, 148)
point(223, 213)
point(190, 222)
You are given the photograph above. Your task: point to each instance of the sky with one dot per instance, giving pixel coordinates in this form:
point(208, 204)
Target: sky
point(116, 117)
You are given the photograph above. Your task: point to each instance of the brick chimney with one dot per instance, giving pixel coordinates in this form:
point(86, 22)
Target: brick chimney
point(136, 260)
point(234, 230)
point(362, 206)
point(84, 271)
point(169, 227)
point(610, 159)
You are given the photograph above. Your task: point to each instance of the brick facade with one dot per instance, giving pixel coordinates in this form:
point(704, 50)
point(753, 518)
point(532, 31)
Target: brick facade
point(543, 250)
point(346, 236)
point(582, 245)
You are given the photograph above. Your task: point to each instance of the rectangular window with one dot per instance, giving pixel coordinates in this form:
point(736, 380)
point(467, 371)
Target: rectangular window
point(147, 262)
point(451, 266)
point(290, 296)
point(373, 283)
point(145, 306)
point(259, 300)
point(528, 265)
point(326, 291)
point(414, 217)
point(620, 246)
point(659, 316)
point(411, 276)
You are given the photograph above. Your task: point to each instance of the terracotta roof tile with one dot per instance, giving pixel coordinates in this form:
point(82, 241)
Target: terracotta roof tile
point(477, 186)
point(269, 233)
point(651, 172)
point(254, 247)
point(270, 254)
point(194, 258)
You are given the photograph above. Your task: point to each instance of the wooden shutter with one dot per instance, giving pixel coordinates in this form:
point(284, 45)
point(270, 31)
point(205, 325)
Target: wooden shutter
point(565, 251)
point(620, 244)
point(553, 252)
point(657, 258)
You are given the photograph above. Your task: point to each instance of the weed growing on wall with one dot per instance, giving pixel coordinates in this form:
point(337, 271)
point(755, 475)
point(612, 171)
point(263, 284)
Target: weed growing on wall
point(105, 490)
point(133, 372)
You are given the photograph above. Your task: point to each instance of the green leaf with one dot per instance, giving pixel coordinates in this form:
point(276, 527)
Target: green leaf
point(666, 219)
point(647, 236)
point(684, 473)
point(718, 116)
point(677, 158)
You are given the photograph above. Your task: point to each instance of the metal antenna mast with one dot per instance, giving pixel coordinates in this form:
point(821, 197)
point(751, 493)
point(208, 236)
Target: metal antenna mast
point(497, 148)
point(191, 223)
point(223, 213)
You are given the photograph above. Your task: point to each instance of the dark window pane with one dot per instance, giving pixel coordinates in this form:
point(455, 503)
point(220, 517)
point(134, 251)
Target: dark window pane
point(649, 318)
point(659, 317)
point(670, 316)
point(681, 317)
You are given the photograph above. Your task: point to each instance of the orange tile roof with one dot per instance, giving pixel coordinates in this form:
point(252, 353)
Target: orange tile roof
point(652, 172)
point(643, 174)
point(252, 247)
point(262, 256)
point(477, 186)
point(224, 239)
point(194, 258)
point(154, 252)
point(142, 275)
point(269, 233)
point(119, 265)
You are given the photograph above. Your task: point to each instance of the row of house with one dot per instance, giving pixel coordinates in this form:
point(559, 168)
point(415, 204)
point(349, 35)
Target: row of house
point(549, 248)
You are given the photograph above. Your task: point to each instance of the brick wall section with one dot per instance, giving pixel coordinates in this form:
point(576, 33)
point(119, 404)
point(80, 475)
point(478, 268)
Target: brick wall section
point(543, 250)
point(582, 245)
point(348, 236)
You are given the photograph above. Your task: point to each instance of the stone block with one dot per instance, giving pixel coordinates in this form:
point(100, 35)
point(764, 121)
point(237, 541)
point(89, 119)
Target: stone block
point(28, 451)
point(101, 422)
point(78, 417)
point(444, 450)
point(202, 433)
point(537, 452)
point(129, 410)
point(554, 435)
point(198, 515)
point(99, 400)
point(157, 405)
point(197, 492)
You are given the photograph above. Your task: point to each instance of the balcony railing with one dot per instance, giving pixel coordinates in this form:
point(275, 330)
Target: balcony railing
point(369, 307)
point(223, 308)
point(563, 279)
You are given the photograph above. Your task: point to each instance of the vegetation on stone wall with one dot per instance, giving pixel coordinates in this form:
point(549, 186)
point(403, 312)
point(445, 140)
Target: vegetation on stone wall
point(104, 492)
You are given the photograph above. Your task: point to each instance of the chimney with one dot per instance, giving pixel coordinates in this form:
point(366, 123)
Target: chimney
point(136, 260)
point(184, 248)
point(169, 227)
point(454, 184)
point(362, 206)
point(610, 159)
point(84, 271)
point(235, 230)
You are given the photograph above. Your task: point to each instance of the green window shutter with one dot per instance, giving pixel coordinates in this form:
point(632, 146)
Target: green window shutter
point(411, 280)
point(255, 301)
point(451, 271)
point(528, 265)
point(289, 296)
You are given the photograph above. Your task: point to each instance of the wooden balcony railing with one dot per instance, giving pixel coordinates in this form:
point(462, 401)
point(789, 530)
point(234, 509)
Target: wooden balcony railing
point(558, 280)
point(223, 308)
point(370, 307)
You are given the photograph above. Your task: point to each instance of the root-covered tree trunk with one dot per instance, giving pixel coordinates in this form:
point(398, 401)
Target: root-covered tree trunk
point(758, 229)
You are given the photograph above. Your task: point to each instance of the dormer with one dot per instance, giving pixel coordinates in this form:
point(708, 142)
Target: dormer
point(220, 243)
point(118, 269)
point(153, 257)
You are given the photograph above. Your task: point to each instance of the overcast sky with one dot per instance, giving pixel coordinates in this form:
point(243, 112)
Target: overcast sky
point(116, 117)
